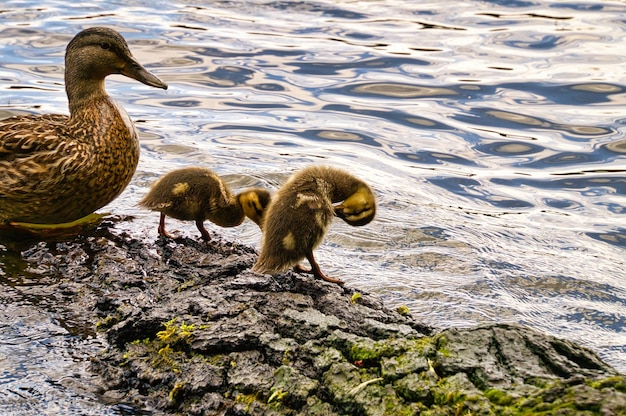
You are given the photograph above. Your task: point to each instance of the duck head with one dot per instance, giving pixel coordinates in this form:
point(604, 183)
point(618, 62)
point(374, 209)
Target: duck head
point(98, 52)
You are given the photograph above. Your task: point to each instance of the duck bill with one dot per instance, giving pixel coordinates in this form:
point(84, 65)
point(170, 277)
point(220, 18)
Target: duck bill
point(133, 69)
point(339, 213)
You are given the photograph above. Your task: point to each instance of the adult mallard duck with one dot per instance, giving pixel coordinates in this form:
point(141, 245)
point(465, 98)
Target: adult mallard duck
point(198, 194)
point(301, 212)
point(56, 169)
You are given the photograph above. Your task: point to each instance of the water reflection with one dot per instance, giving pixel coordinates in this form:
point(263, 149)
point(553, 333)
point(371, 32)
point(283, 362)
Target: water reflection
point(618, 146)
point(434, 158)
point(511, 148)
point(356, 66)
point(391, 116)
point(617, 237)
point(43, 356)
point(400, 90)
point(492, 117)
point(585, 184)
point(492, 132)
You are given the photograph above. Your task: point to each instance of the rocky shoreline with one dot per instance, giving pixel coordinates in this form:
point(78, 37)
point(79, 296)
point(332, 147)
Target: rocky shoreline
point(191, 330)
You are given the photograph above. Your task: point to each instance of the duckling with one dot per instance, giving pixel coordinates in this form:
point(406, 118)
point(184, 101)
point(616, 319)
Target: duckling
point(198, 194)
point(55, 168)
point(301, 212)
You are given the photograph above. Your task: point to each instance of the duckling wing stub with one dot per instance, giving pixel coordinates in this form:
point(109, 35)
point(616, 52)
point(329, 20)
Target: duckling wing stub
point(310, 200)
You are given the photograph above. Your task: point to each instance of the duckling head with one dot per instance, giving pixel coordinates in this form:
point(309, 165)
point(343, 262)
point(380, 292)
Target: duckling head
point(359, 208)
point(254, 203)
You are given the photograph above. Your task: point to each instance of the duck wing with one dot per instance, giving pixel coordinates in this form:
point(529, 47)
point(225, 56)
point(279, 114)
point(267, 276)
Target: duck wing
point(23, 136)
point(34, 150)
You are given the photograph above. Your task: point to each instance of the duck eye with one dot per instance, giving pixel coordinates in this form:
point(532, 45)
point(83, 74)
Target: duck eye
point(105, 45)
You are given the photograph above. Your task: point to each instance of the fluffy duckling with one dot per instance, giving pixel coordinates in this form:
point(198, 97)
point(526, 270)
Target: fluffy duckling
point(301, 212)
point(198, 194)
point(56, 169)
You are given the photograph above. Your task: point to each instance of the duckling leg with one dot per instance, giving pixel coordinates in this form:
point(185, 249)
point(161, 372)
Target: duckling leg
point(205, 234)
point(315, 270)
point(161, 228)
point(299, 269)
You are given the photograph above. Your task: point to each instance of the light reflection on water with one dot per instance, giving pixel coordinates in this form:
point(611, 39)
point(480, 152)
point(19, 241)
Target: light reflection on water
point(492, 133)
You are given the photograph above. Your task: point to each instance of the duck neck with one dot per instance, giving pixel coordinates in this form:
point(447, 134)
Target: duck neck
point(81, 90)
point(230, 215)
point(90, 104)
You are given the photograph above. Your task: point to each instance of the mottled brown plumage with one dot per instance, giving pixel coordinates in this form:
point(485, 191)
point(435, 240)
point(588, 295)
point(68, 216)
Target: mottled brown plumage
point(301, 212)
point(56, 169)
point(198, 194)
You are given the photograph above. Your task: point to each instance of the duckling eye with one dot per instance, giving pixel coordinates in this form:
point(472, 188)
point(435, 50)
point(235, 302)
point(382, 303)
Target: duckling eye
point(257, 209)
point(364, 208)
point(105, 45)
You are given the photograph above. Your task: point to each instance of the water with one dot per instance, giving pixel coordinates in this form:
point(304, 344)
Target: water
point(492, 131)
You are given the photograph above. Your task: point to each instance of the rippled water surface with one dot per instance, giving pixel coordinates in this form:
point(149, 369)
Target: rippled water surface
point(492, 131)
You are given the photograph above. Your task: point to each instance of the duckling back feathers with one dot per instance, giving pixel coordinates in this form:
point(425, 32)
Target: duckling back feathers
point(192, 193)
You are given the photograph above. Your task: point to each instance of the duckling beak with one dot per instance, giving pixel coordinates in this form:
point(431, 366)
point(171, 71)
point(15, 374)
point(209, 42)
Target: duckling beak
point(133, 69)
point(356, 219)
point(339, 212)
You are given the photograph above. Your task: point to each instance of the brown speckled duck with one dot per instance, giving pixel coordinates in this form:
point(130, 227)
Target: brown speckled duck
point(57, 169)
point(301, 212)
point(198, 194)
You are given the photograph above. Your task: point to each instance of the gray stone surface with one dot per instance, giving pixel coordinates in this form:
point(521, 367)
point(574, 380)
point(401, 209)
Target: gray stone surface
point(192, 331)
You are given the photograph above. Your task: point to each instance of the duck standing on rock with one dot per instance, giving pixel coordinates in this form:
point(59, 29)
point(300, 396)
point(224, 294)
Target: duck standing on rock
point(301, 212)
point(198, 194)
point(55, 168)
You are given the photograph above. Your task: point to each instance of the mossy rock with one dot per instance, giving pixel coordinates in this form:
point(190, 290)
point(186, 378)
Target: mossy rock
point(240, 343)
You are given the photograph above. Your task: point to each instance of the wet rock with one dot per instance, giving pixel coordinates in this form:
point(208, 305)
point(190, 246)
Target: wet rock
point(503, 355)
point(192, 331)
